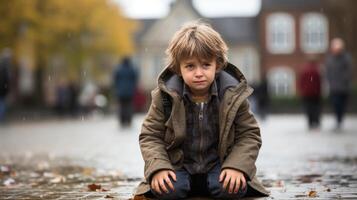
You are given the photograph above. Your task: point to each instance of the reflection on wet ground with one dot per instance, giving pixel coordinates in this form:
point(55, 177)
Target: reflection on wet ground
point(81, 159)
point(325, 178)
point(44, 178)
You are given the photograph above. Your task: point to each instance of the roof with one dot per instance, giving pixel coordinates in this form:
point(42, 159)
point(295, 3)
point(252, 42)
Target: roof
point(237, 29)
point(290, 4)
point(144, 24)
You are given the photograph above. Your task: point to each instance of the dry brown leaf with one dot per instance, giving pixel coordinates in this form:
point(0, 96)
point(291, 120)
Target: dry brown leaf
point(312, 193)
point(140, 197)
point(104, 190)
point(94, 187)
point(109, 197)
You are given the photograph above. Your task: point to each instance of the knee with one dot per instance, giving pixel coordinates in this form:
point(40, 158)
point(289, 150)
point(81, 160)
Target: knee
point(216, 190)
point(182, 187)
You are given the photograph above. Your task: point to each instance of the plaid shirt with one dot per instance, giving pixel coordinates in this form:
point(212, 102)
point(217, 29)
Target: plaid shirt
point(202, 128)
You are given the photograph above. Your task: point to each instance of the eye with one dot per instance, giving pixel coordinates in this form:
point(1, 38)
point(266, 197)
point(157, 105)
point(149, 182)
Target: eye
point(189, 66)
point(206, 65)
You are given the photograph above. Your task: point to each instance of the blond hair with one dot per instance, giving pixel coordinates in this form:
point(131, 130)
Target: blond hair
point(196, 39)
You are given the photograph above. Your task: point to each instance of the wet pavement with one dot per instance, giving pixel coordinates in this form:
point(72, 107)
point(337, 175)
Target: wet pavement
point(94, 158)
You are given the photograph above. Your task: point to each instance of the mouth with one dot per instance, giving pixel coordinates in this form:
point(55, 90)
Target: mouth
point(199, 82)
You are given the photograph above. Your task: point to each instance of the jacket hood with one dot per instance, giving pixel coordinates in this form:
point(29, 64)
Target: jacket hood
point(230, 76)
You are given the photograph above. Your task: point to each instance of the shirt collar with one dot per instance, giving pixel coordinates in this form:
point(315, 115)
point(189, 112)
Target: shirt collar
point(212, 92)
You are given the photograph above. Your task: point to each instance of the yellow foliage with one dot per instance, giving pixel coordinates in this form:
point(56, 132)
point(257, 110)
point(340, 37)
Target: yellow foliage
point(76, 29)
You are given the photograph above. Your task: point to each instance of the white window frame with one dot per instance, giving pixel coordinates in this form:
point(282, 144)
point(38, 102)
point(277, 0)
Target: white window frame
point(282, 81)
point(280, 33)
point(314, 33)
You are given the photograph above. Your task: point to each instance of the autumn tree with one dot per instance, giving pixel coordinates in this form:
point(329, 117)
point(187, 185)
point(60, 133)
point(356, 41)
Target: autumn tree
point(77, 32)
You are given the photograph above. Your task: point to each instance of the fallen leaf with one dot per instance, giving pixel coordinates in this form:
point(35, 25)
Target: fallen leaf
point(108, 197)
point(9, 182)
point(94, 187)
point(312, 193)
point(58, 179)
point(328, 190)
point(5, 169)
point(104, 190)
point(140, 197)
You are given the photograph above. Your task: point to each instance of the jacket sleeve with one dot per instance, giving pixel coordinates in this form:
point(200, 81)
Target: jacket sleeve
point(151, 138)
point(247, 142)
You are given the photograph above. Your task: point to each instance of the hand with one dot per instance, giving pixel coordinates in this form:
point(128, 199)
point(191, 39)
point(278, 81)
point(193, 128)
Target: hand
point(232, 180)
point(160, 178)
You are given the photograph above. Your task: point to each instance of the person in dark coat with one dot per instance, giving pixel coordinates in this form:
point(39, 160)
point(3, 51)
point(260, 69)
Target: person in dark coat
point(262, 96)
point(309, 84)
point(125, 83)
point(339, 76)
point(5, 62)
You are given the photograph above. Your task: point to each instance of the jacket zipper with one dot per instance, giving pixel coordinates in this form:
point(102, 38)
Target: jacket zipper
point(200, 118)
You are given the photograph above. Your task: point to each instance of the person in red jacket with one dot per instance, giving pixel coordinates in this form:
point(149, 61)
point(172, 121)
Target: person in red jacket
point(309, 84)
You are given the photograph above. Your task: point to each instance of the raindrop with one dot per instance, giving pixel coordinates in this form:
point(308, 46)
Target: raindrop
point(49, 78)
point(82, 118)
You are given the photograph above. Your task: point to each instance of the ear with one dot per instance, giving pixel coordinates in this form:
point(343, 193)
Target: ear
point(219, 67)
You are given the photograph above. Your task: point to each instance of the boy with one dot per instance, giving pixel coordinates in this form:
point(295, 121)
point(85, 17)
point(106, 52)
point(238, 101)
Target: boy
point(210, 141)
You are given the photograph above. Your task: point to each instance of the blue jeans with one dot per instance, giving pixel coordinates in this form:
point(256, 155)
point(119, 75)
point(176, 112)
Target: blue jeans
point(190, 185)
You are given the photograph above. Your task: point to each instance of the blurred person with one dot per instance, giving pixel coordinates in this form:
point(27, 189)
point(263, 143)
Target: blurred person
point(200, 97)
point(125, 84)
point(339, 76)
point(262, 98)
point(309, 85)
point(139, 100)
point(73, 91)
point(5, 65)
point(62, 97)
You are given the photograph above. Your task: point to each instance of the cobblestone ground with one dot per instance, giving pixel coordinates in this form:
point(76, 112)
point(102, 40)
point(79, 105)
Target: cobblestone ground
point(94, 158)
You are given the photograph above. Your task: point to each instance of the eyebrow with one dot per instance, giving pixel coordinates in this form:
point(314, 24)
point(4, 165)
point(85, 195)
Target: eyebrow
point(188, 62)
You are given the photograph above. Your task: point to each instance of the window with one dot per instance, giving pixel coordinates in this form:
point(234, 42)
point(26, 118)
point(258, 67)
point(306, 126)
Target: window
point(280, 33)
point(314, 33)
point(247, 60)
point(281, 81)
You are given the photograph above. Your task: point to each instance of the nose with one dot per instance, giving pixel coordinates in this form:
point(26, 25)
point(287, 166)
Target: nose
point(199, 72)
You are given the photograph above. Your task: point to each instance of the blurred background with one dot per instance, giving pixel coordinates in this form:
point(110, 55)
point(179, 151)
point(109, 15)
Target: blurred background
point(62, 55)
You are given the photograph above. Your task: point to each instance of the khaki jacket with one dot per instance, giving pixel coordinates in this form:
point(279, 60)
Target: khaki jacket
point(239, 134)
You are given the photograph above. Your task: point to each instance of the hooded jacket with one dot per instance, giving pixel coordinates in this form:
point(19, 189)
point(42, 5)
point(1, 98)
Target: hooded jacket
point(239, 134)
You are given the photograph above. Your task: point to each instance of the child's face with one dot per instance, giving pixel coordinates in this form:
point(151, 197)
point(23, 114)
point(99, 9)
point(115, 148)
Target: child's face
point(198, 74)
